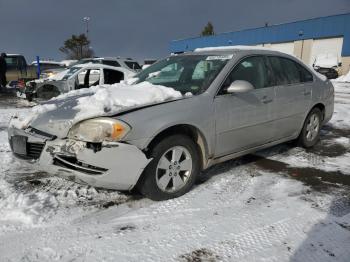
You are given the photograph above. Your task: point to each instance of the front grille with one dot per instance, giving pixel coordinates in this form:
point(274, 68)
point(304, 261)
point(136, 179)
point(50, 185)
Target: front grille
point(40, 133)
point(72, 163)
point(34, 150)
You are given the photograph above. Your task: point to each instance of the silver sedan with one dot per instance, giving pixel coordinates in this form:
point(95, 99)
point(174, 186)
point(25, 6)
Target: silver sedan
point(234, 102)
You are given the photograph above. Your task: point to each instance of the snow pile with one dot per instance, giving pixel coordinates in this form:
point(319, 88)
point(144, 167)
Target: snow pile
point(22, 208)
point(22, 120)
point(115, 97)
point(344, 78)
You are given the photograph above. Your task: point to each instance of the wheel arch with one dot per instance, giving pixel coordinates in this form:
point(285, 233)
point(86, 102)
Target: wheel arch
point(191, 131)
point(320, 106)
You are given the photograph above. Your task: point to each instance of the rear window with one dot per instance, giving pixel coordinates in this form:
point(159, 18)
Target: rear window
point(111, 63)
point(133, 65)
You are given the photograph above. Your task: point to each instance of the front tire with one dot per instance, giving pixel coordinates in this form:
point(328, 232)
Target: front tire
point(173, 170)
point(311, 130)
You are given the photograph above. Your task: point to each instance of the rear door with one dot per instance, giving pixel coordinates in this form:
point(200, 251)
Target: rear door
point(245, 120)
point(293, 95)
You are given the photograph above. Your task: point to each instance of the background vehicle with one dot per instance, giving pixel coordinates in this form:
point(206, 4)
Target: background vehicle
point(17, 68)
point(44, 65)
point(216, 105)
point(328, 65)
point(77, 77)
point(127, 63)
point(148, 63)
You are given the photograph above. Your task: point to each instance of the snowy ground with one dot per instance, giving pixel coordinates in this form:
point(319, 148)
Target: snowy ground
point(281, 204)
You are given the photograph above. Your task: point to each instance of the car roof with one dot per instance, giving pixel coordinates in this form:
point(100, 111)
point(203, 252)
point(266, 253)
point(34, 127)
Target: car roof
point(226, 50)
point(115, 58)
point(98, 66)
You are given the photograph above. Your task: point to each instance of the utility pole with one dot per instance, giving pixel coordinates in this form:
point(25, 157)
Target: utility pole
point(86, 19)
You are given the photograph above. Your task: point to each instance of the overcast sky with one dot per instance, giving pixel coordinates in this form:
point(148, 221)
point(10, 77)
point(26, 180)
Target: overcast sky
point(140, 28)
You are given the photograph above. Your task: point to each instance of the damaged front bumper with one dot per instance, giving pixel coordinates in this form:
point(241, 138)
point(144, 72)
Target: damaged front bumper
point(110, 165)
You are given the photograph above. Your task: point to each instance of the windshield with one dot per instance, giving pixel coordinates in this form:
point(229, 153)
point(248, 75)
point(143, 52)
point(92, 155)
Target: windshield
point(190, 73)
point(71, 72)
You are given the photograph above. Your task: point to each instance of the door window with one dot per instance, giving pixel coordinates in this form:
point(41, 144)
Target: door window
point(305, 75)
point(291, 71)
point(287, 71)
point(252, 70)
point(88, 78)
point(278, 72)
point(112, 76)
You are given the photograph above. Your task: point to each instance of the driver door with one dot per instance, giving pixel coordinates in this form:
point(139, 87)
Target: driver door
point(245, 120)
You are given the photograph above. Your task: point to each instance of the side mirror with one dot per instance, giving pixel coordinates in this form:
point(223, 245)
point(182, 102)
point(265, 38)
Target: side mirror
point(240, 86)
point(340, 64)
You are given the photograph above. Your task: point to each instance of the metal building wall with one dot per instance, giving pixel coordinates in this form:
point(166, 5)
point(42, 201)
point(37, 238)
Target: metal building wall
point(323, 27)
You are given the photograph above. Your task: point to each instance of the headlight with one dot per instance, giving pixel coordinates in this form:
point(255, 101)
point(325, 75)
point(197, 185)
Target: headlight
point(99, 130)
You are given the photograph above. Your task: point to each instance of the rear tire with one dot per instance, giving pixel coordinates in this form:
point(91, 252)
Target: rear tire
point(311, 130)
point(173, 170)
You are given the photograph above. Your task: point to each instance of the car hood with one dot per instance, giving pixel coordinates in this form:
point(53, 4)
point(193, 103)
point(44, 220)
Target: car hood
point(62, 114)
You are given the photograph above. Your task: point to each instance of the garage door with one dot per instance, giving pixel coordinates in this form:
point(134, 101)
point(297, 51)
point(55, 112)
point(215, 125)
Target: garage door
point(328, 46)
point(287, 47)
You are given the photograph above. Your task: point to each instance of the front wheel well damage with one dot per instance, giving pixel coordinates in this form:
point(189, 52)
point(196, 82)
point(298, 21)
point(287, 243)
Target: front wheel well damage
point(322, 109)
point(186, 130)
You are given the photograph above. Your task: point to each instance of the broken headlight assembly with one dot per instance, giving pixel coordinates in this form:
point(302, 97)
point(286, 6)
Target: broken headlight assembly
point(100, 129)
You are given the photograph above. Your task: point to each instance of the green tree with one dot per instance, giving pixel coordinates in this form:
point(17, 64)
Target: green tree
point(77, 47)
point(208, 30)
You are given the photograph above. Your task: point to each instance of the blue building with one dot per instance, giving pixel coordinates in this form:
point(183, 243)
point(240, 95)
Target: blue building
point(307, 39)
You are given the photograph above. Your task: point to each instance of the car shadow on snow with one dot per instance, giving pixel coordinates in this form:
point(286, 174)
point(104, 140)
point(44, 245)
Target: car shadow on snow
point(328, 239)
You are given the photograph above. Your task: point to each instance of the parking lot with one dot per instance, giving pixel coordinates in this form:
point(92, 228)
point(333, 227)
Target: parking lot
point(284, 203)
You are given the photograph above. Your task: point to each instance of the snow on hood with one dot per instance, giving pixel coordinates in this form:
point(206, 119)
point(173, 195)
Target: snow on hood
point(22, 121)
point(102, 100)
point(326, 61)
point(119, 96)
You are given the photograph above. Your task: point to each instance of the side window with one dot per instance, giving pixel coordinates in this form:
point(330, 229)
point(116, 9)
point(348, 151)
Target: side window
point(89, 77)
point(111, 63)
point(12, 63)
point(133, 65)
point(112, 76)
point(305, 75)
point(278, 72)
point(252, 70)
point(291, 70)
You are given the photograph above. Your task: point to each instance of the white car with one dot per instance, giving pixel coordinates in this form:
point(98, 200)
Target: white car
point(77, 77)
